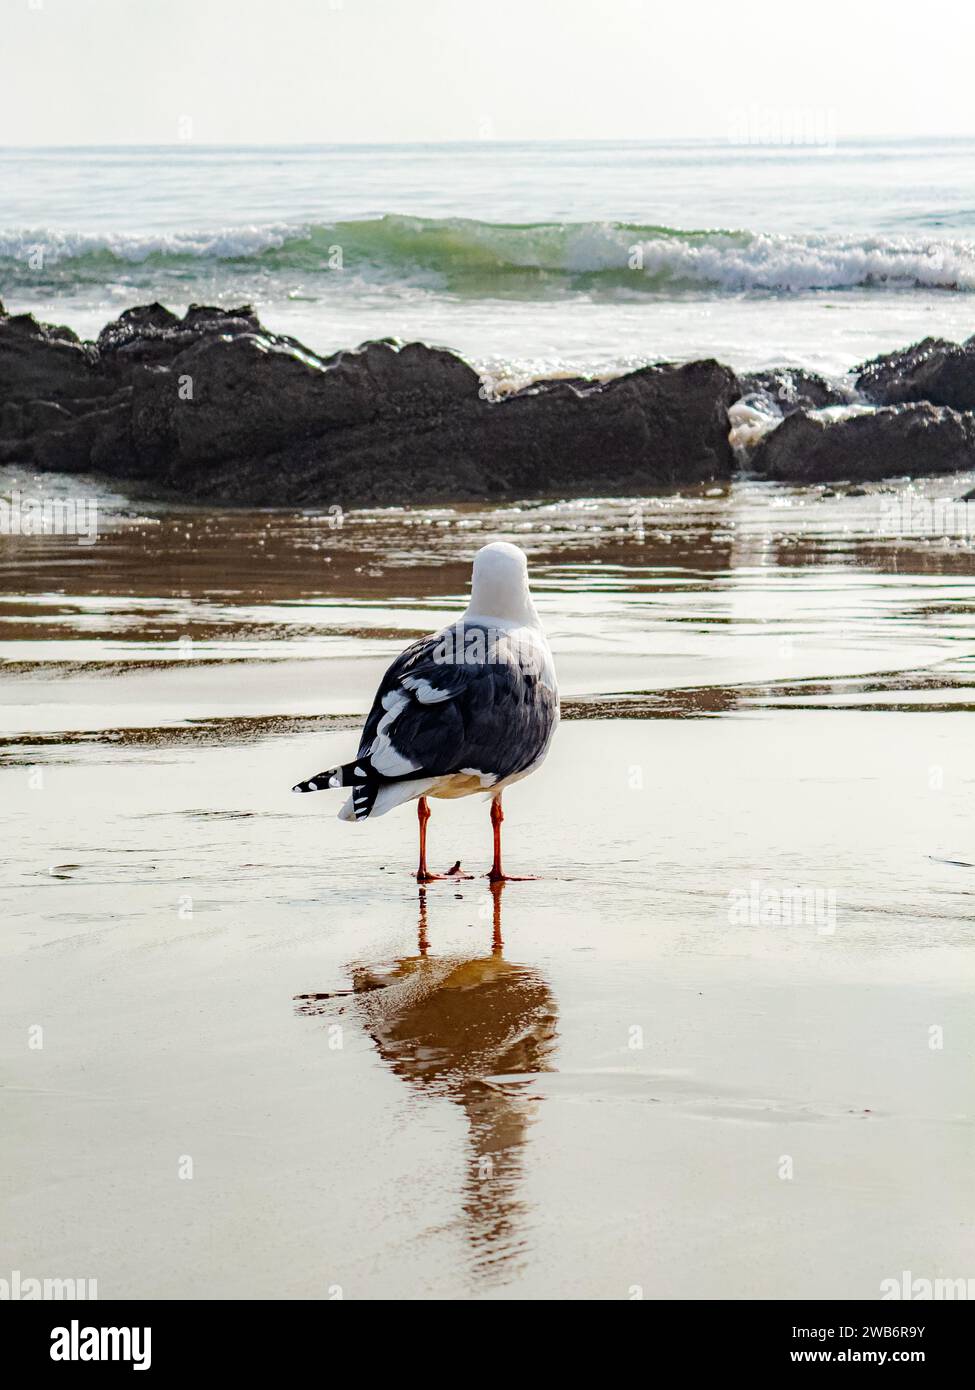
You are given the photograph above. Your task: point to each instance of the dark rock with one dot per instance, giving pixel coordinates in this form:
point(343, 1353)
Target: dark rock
point(934, 370)
point(662, 426)
point(39, 362)
point(207, 318)
point(246, 397)
point(405, 376)
point(893, 441)
point(212, 405)
point(70, 450)
point(152, 335)
point(138, 331)
point(19, 421)
point(792, 388)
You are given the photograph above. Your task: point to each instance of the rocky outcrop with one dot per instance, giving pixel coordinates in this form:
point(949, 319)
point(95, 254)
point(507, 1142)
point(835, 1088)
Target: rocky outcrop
point(890, 442)
point(935, 370)
point(212, 405)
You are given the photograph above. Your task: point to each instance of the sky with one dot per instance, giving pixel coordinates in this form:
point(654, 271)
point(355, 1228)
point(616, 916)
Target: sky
point(377, 71)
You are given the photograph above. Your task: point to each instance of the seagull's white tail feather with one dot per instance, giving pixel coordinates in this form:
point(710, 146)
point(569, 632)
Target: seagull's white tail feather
point(391, 795)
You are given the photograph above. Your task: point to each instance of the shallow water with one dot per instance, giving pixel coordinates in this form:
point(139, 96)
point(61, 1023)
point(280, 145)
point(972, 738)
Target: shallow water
point(694, 1057)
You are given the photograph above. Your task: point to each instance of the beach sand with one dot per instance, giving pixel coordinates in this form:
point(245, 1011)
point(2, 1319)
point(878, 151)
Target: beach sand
point(271, 1066)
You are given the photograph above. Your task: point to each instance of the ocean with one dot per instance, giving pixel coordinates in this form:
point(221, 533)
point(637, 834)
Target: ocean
point(527, 258)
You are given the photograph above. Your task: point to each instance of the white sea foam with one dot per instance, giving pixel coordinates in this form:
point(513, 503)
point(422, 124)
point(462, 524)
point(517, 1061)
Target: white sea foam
point(756, 415)
point(833, 414)
point(217, 244)
point(751, 419)
point(796, 264)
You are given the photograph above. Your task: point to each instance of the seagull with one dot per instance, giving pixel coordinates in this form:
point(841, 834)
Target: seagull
point(472, 708)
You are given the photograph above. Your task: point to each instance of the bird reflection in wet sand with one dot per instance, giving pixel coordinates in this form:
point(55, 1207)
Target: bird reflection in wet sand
point(472, 1030)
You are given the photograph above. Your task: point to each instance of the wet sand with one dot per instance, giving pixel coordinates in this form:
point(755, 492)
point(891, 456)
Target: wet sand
point(643, 1072)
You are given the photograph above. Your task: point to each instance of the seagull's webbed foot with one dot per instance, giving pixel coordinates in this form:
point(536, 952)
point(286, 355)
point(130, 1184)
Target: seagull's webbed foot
point(453, 875)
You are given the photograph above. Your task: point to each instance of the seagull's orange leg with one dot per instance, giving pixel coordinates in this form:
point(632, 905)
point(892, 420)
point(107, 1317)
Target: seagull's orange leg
point(423, 874)
point(497, 816)
point(497, 874)
point(423, 815)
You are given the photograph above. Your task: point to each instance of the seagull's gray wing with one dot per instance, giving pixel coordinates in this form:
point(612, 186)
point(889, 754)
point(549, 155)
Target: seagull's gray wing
point(469, 699)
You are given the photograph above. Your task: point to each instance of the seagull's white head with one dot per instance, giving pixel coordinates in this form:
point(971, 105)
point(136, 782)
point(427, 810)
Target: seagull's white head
point(499, 585)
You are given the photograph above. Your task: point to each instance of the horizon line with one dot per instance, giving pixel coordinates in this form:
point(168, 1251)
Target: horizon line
point(715, 139)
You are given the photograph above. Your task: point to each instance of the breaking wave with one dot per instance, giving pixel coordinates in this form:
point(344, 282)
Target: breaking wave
point(468, 258)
